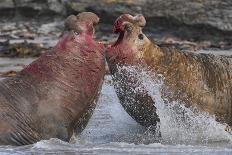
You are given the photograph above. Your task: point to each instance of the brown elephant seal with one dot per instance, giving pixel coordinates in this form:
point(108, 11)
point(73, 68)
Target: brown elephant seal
point(55, 95)
point(200, 80)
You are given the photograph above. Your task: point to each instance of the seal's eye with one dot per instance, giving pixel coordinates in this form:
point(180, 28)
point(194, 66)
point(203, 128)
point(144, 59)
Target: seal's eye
point(140, 36)
point(76, 33)
point(128, 28)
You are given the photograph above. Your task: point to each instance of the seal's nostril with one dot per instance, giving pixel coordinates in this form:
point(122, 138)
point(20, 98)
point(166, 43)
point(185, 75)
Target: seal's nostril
point(140, 36)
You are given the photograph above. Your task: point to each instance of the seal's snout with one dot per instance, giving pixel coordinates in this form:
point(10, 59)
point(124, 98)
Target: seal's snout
point(82, 23)
point(123, 20)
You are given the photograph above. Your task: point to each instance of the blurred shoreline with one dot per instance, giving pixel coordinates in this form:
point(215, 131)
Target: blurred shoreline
point(28, 27)
point(30, 38)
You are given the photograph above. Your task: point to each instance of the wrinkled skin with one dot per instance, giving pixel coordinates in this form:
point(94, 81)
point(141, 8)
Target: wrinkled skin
point(55, 95)
point(200, 80)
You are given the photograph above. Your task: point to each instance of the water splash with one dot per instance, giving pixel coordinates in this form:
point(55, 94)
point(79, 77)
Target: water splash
point(110, 122)
point(179, 124)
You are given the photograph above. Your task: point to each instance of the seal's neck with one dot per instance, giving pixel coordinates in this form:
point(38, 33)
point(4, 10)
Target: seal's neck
point(70, 52)
point(152, 54)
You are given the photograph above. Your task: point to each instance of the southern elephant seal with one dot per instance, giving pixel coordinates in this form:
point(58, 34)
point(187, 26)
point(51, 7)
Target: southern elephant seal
point(54, 96)
point(194, 79)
